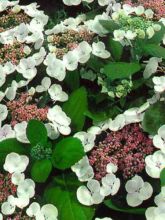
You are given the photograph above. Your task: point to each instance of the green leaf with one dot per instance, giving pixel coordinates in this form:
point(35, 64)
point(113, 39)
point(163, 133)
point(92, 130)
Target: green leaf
point(154, 118)
point(36, 132)
point(62, 194)
point(67, 152)
point(75, 108)
point(136, 211)
point(154, 50)
point(11, 145)
point(40, 170)
point(116, 48)
point(162, 177)
point(119, 70)
point(109, 25)
point(72, 80)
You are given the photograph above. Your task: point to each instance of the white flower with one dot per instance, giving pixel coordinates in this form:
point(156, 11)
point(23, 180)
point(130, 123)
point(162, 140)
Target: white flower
point(72, 2)
point(90, 195)
point(45, 84)
point(59, 120)
point(159, 82)
point(6, 132)
point(151, 67)
point(11, 90)
point(138, 191)
point(22, 201)
point(21, 32)
point(110, 185)
point(47, 212)
point(87, 139)
point(16, 9)
point(106, 218)
point(55, 67)
point(27, 68)
point(150, 32)
point(118, 123)
point(155, 164)
point(56, 93)
point(2, 77)
point(149, 13)
point(157, 213)
point(39, 57)
point(15, 163)
point(70, 60)
point(20, 132)
point(130, 35)
point(119, 35)
point(7, 208)
point(95, 26)
point(159, 139)
point(33, 209)
point(3, 112)
point(26, 188)
point(111, 168)
point(83, 170)
point(52, 132)
point(83, 52)
point(17, 178)
point(103, 2)
point(139, 10)
point(128, 9)
point(98, 49)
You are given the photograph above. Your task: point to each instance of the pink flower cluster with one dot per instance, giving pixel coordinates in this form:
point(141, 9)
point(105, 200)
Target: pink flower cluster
point(158, 6)
point(126, 148)
point(7, 188)
point(22, 110)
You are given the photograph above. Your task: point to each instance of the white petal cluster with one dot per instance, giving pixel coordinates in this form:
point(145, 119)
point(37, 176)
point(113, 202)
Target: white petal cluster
point(77, 2)
point(81, 54)
point(59, 120)
point(46, 212)
point(106, 218)
point(54, 90)
point(16, 164)
point(155, 164)
point(94, 192)
point(137, 191)
point(126, 10)
point(158, 212)
point(6, 132)
point(159, 139)
point(159, 84)
point(32, 34)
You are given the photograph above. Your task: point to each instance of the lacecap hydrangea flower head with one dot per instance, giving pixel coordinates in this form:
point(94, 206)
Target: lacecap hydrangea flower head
point(71, 42)
point(21, 42)
point(17, 191)
point(18, 112)
point(134, 22)
point(118, 152)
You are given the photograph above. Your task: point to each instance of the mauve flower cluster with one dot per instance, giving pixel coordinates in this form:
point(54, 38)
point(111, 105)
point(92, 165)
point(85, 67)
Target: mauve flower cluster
point(69, 40)
point(157, 6)
point(12, 53)
point(22, 110)
point(126, 148)
point(11, 19)
point(7, 188)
